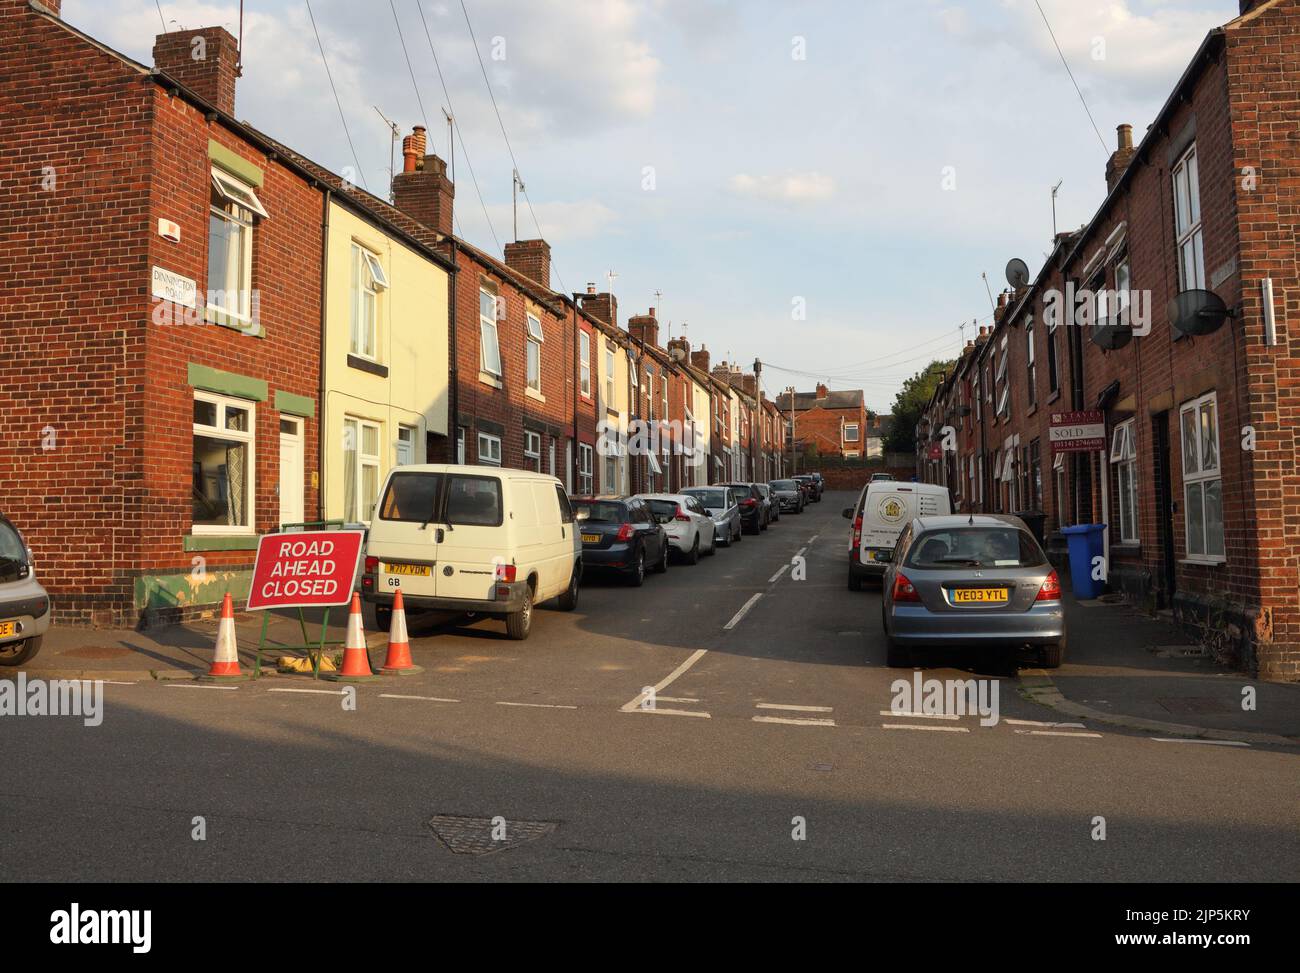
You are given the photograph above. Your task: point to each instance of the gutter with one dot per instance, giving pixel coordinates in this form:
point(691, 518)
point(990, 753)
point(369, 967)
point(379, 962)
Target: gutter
point(453, 363)
point(321, 423)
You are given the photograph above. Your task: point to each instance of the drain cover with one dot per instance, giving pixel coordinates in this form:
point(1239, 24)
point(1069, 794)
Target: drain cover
point(482, 836)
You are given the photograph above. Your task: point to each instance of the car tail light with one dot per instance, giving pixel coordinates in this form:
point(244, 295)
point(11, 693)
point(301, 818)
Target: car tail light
point(1051, 589)
point(506, 573)
point(857, 532)
point(624, 532)
point(751, 502)
point(904, 590)
point(372, 565)
point(681, 514)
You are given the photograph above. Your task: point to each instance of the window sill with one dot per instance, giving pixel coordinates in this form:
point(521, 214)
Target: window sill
point(220, 542)
point(1205, 562)
point(226, 320)
point(487, 378)
point(1031, 410)
point(366, 365)
point(532, 393)
point(1054, 396)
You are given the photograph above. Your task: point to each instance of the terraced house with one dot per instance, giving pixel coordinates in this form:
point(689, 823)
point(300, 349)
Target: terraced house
point(1171, 313)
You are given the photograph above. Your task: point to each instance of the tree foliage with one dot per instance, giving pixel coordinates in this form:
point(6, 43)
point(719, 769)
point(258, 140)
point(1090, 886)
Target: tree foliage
point(910, 402)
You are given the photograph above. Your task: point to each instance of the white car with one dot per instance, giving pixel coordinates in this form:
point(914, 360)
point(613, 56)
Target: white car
point(688, 525)
point(24, 604)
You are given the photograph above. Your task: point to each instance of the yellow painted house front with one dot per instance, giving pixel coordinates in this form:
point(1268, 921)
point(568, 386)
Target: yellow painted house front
point(386, 368)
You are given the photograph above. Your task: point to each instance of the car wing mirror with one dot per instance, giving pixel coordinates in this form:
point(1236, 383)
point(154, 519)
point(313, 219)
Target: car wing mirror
point(847, 513)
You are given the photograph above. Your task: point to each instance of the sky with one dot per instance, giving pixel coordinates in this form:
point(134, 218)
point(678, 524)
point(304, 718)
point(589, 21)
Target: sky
point(817, 184)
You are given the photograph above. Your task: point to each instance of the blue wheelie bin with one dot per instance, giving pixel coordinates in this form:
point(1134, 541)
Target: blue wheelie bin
point(1086, 544)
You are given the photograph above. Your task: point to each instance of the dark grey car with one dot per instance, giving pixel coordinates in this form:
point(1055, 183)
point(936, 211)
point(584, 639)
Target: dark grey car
point(787, 495)
point(971, 582)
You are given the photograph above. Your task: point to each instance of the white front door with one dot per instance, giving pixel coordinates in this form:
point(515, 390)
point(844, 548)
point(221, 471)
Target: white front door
point(292, 471)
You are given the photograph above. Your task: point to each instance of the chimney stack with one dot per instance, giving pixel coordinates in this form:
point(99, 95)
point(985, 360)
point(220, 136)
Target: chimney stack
point(644, 327)
point(602, 306)
point(49, 6)
point(424, 192)
point(700, 359)
point(750, 384)
point(532, 258)
point(1121, 157)
point(204, 60)
point(679, 349)
point(822, 391)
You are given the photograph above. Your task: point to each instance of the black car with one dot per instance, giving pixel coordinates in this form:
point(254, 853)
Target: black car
point(812, 487)
point(620, 534)
point(753, 509)
point(789, 494)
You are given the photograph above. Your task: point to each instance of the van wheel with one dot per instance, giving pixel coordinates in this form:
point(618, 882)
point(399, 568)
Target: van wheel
point(378, 619)
point(855, 583)
point(518, 623)
point(569, 600)
point(16, 653)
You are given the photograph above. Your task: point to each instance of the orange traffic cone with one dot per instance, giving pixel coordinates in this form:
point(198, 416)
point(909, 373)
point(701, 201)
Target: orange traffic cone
point(356, 658)
point(399, 661)
point(225, 661)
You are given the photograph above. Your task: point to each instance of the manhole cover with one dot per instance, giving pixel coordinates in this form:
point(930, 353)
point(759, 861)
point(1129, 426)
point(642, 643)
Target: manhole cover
point(97, 652)
point(1193, 704)
point(482, 836)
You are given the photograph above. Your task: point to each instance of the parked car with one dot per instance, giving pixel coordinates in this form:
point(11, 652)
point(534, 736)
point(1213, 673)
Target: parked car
point(879, 477)
point(813, 487)
point(753, 515)
point(691, 532)
point(769, 503)
point(723, 509)
point(788, 495)
point(971, 582)
point(502, 541)
point(24, 604)
point(821, 483)
point(881, 512)
point(621, 534)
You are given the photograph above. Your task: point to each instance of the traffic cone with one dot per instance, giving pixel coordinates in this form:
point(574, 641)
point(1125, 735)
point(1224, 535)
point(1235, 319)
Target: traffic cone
point(225, 661)
point(399, 661)
point(356, 658)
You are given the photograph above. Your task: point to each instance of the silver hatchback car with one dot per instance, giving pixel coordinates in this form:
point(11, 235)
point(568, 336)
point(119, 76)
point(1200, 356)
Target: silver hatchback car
point(971, 582)
point(24, 604)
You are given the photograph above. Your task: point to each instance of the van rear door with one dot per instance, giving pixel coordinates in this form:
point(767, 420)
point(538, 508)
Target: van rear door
point(478, 534)
point(404, 533)
point(889, 507)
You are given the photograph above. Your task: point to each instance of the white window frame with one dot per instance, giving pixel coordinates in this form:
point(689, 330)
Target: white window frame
point(489, 450)
point(1031, 361)
point(1123, 285)
point(364, 462)
point(585, 486)
point(609, 375)
point(851, 438)
point(367, 281)
point(533, 351)
point(1189, 240)
point(1123, 456)
point(488, 337)
point(1199, 474)
point(584, 362)
point(533, 450)
point(240, 205)
point(664, 397)
point(250, 438)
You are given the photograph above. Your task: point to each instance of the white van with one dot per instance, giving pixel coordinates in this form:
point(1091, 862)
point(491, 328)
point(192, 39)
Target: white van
point(883, 509)
point(472, 539)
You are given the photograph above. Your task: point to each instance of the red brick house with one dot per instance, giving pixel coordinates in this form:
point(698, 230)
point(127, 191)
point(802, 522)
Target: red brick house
point(1197, 479)
point(835, 422)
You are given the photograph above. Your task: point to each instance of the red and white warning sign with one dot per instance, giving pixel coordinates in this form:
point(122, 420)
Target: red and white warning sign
point(313, 569)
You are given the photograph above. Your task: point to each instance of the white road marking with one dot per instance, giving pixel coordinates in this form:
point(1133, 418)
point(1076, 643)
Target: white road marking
point(1055, 733)
point(669, 712)
point(320, 692)
point(777, 577)
point(813, 538)
point(921, 716)
point(427, 699)
point(195, 685)
point(635, 705)
point(538, 705)
point(799, 553)
point(1207, 743)
point(676, 699)
point(1077, 726)
point(797, 709)
point(115, 682)
point(913, 726)
point(789, 721)
point(735, 619)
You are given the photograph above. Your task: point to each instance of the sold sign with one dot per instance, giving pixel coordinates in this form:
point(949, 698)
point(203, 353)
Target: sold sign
point(313, 569)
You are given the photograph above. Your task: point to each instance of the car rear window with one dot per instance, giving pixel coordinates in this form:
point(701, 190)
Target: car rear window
point(411, 497)
point(784, 485)
point(975, 547)
point(599, 512)
point(712, 499)
point(664, 508)
point(473, 501)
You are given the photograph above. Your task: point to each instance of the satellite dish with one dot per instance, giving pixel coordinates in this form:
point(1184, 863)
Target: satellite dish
point(1017, 273)
point(1110, 336)
point(677, 353)
point(1198, 312)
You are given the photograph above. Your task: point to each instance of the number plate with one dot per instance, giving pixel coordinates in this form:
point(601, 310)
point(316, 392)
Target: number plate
point(7, 629)
point(979, 596)
point(591, 538)
point(415, 570)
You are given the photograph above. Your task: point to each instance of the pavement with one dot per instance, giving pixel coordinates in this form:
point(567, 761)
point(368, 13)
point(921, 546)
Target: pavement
point(729, 721)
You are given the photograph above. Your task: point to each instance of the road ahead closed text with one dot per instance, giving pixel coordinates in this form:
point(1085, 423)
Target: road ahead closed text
point(313, 569)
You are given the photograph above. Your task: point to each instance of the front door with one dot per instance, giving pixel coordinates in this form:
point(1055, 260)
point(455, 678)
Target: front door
point(292, 471)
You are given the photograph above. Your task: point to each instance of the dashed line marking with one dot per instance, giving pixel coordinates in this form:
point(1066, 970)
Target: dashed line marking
point(427, 699)
point(799, 553)
point(115, 682)
point(813, 539)
point(735, 619)
point(671, 712)
point(920, 716)
point(676, 699)
point(635, 705)
point(538, 705)
point(1055, 733)
point(796, 709)
point(319, 692)
point(913, 726)
point(195, 685)
point(791, 721)
point(1204, 743)
point(777, 577)
point(1077, 726)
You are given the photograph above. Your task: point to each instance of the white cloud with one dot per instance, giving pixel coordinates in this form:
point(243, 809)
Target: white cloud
point(560, 221)
point(792, 187)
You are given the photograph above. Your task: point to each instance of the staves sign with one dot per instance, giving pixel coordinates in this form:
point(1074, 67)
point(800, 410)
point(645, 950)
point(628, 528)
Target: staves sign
point(314, 569)
point(1078, 432)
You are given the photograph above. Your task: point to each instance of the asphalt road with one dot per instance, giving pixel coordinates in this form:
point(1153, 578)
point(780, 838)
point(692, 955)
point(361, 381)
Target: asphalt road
point(764, 722)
